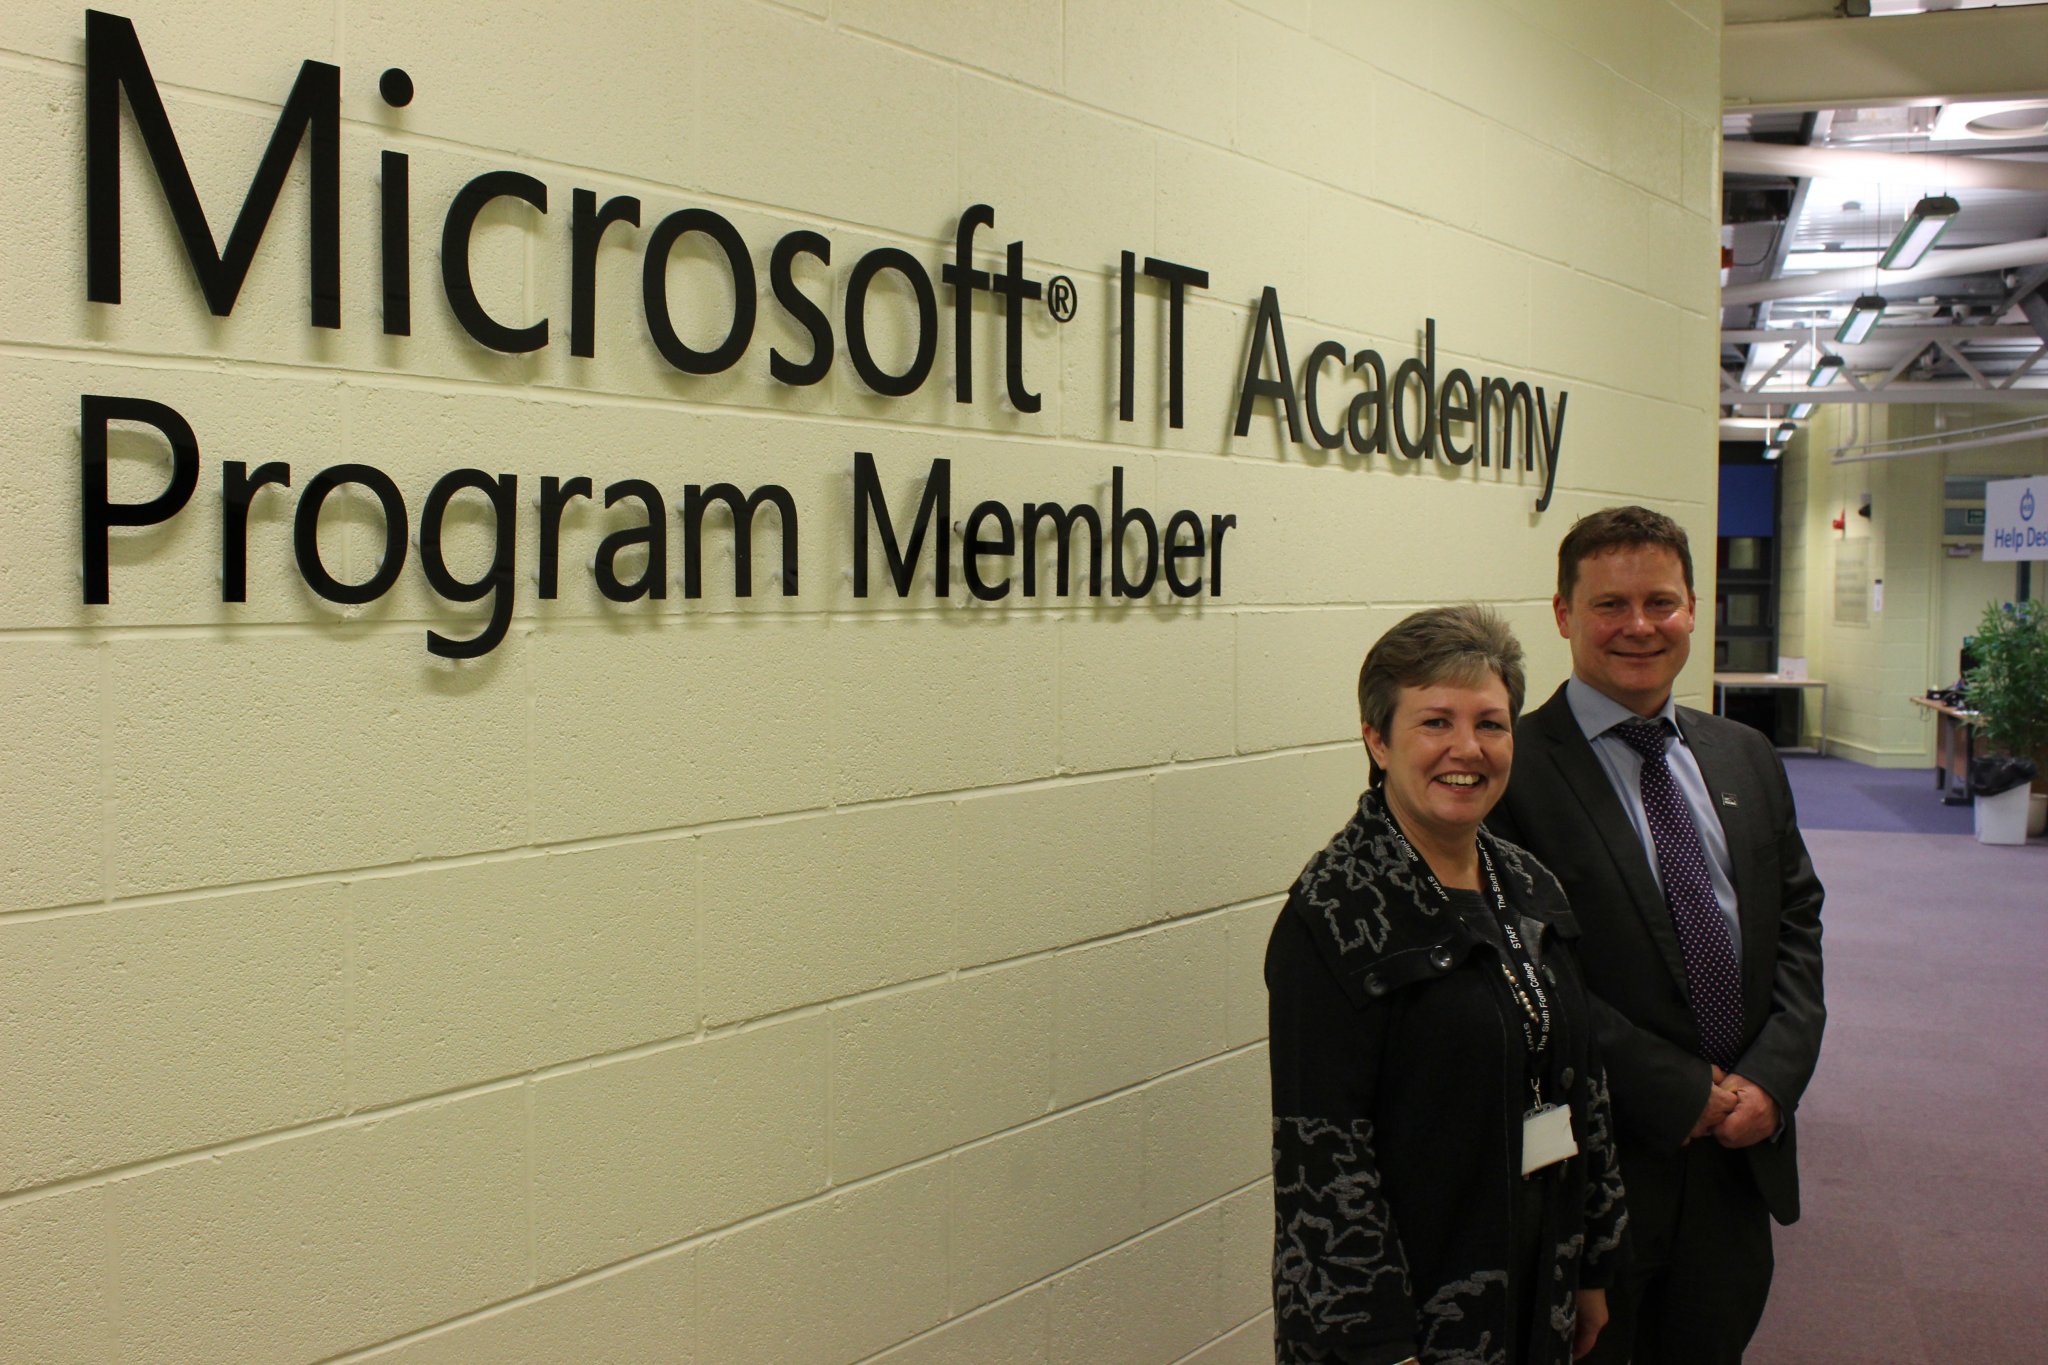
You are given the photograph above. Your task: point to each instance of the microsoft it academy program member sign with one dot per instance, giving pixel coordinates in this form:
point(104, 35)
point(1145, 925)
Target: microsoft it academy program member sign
point(1339, 397)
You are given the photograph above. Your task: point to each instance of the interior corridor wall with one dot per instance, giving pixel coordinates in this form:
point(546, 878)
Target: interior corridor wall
point(786, 978)
point(1877, 651)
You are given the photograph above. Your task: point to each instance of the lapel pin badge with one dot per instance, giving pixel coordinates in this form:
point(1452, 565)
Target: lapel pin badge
point(1728, 799)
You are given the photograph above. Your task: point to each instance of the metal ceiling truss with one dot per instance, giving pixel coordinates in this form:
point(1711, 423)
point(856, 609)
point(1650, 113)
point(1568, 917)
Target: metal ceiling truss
point(1832, 127)
point(2022, 379)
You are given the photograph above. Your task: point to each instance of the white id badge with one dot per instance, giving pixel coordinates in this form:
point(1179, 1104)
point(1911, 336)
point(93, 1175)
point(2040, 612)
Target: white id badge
point(1547, 1138)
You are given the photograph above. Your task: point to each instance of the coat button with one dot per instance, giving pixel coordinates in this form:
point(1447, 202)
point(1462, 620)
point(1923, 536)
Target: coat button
point(1441, 959)
point(1374, 986)
point(1569, 1076)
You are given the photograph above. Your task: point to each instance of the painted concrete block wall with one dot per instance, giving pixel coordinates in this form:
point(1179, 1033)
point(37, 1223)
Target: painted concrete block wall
point(1872, 664)
point(1873, 668)
point(788, 979)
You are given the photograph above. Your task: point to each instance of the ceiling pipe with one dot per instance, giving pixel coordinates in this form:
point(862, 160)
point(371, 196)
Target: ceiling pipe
point(1970, 261)
point(1992, 331)
point(1898, 391)
point(1941, 442)
point(1891, 168)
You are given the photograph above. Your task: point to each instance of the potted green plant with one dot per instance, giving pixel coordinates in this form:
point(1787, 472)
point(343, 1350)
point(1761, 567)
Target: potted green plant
point(2009, 685)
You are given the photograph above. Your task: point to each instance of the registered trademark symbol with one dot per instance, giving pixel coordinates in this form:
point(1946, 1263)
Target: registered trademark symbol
point(1060, 298)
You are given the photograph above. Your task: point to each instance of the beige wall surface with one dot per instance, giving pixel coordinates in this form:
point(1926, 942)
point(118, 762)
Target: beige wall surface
point(1876, 662)
point(780, 978)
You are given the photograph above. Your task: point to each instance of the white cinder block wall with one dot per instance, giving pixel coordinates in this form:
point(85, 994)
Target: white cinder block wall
point(778, 979)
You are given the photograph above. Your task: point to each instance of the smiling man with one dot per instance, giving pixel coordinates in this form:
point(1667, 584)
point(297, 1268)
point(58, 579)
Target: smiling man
point(1674, 835)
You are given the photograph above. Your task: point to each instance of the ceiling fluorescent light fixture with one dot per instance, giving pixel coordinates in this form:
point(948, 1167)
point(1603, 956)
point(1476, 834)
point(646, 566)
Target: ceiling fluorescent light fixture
point(1785, 433)
point(1824, 370)
point(1929, 219)
point(1771, 452)
point(1800, 412)
point(1863, 315)
point(1806, 262)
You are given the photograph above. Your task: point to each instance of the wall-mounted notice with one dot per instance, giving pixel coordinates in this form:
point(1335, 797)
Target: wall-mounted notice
point(2016, 519)
point(1852, 572)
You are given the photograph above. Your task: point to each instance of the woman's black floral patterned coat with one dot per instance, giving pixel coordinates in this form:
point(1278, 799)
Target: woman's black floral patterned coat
point(1399, 1087)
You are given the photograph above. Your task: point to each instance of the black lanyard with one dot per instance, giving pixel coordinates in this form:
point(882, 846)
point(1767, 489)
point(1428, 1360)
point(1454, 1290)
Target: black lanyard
point(1524, 982)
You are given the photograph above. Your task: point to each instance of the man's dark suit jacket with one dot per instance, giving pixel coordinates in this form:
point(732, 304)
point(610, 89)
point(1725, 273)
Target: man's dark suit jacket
point(1561, 806)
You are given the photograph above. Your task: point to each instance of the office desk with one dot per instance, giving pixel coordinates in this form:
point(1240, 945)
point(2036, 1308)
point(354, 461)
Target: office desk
point(1955, 744)
point(1725, 683)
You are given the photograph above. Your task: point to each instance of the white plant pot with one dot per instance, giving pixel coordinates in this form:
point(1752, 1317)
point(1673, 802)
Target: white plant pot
point(2037, 815)
point(2002, 819)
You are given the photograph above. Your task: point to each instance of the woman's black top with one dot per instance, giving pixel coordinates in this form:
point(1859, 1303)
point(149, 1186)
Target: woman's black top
point(1401, 1074)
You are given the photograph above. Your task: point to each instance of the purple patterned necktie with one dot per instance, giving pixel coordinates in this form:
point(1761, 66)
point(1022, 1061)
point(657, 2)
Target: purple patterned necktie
point(1712, 977)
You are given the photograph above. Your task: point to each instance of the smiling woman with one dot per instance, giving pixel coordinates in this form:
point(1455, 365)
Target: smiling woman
point(1444, 1177)
point(1441, 760)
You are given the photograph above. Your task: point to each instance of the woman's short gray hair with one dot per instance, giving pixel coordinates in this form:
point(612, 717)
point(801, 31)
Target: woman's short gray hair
point(1459, 645)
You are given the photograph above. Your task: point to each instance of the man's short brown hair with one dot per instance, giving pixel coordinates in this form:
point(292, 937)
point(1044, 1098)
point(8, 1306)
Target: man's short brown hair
point(1618, 528)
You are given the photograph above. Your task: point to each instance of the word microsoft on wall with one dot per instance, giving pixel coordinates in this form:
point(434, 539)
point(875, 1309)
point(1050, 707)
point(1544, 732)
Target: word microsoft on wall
point(1491, 412)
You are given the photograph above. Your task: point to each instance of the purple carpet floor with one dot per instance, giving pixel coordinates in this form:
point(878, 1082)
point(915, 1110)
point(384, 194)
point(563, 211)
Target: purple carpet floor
point(1834, 793)
point(1924, 1136)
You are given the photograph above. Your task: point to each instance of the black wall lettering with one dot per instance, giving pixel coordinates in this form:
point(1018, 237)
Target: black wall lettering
point(306, 533)
point(976, 545)
point(743, 509)
point(587, 223)
point(1179, 279)
point(456, 228)
point(1497, 395)
point(1217, 526)
point(394, 194)
point(1063, 524)
point(312, 113)
point(554, 497)
point(1420, 370)
point(1370, 402)
point(1268, 330)
point(654, 289)
point(1467, 419)
point(1553, 437)
point(1194, 548)
point(864, 272)
point(965, 279)
point(495, 582)
point(1454, 409)
point(237, 488)
point(650, 535)
point(1120, 523)
point(1015, 289)
point(96, 512)
point(1312, 373)
point(1126, 340)
point(782, 279)
point(869, 503)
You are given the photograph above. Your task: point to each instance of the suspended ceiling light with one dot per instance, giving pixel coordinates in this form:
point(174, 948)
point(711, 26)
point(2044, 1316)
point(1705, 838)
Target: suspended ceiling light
point(1772, 452)
point(1807, 262)
point(1929, 219)
point(1785, 433)
point(1863, 315)
point(1824, 370)
point(1800, 412)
